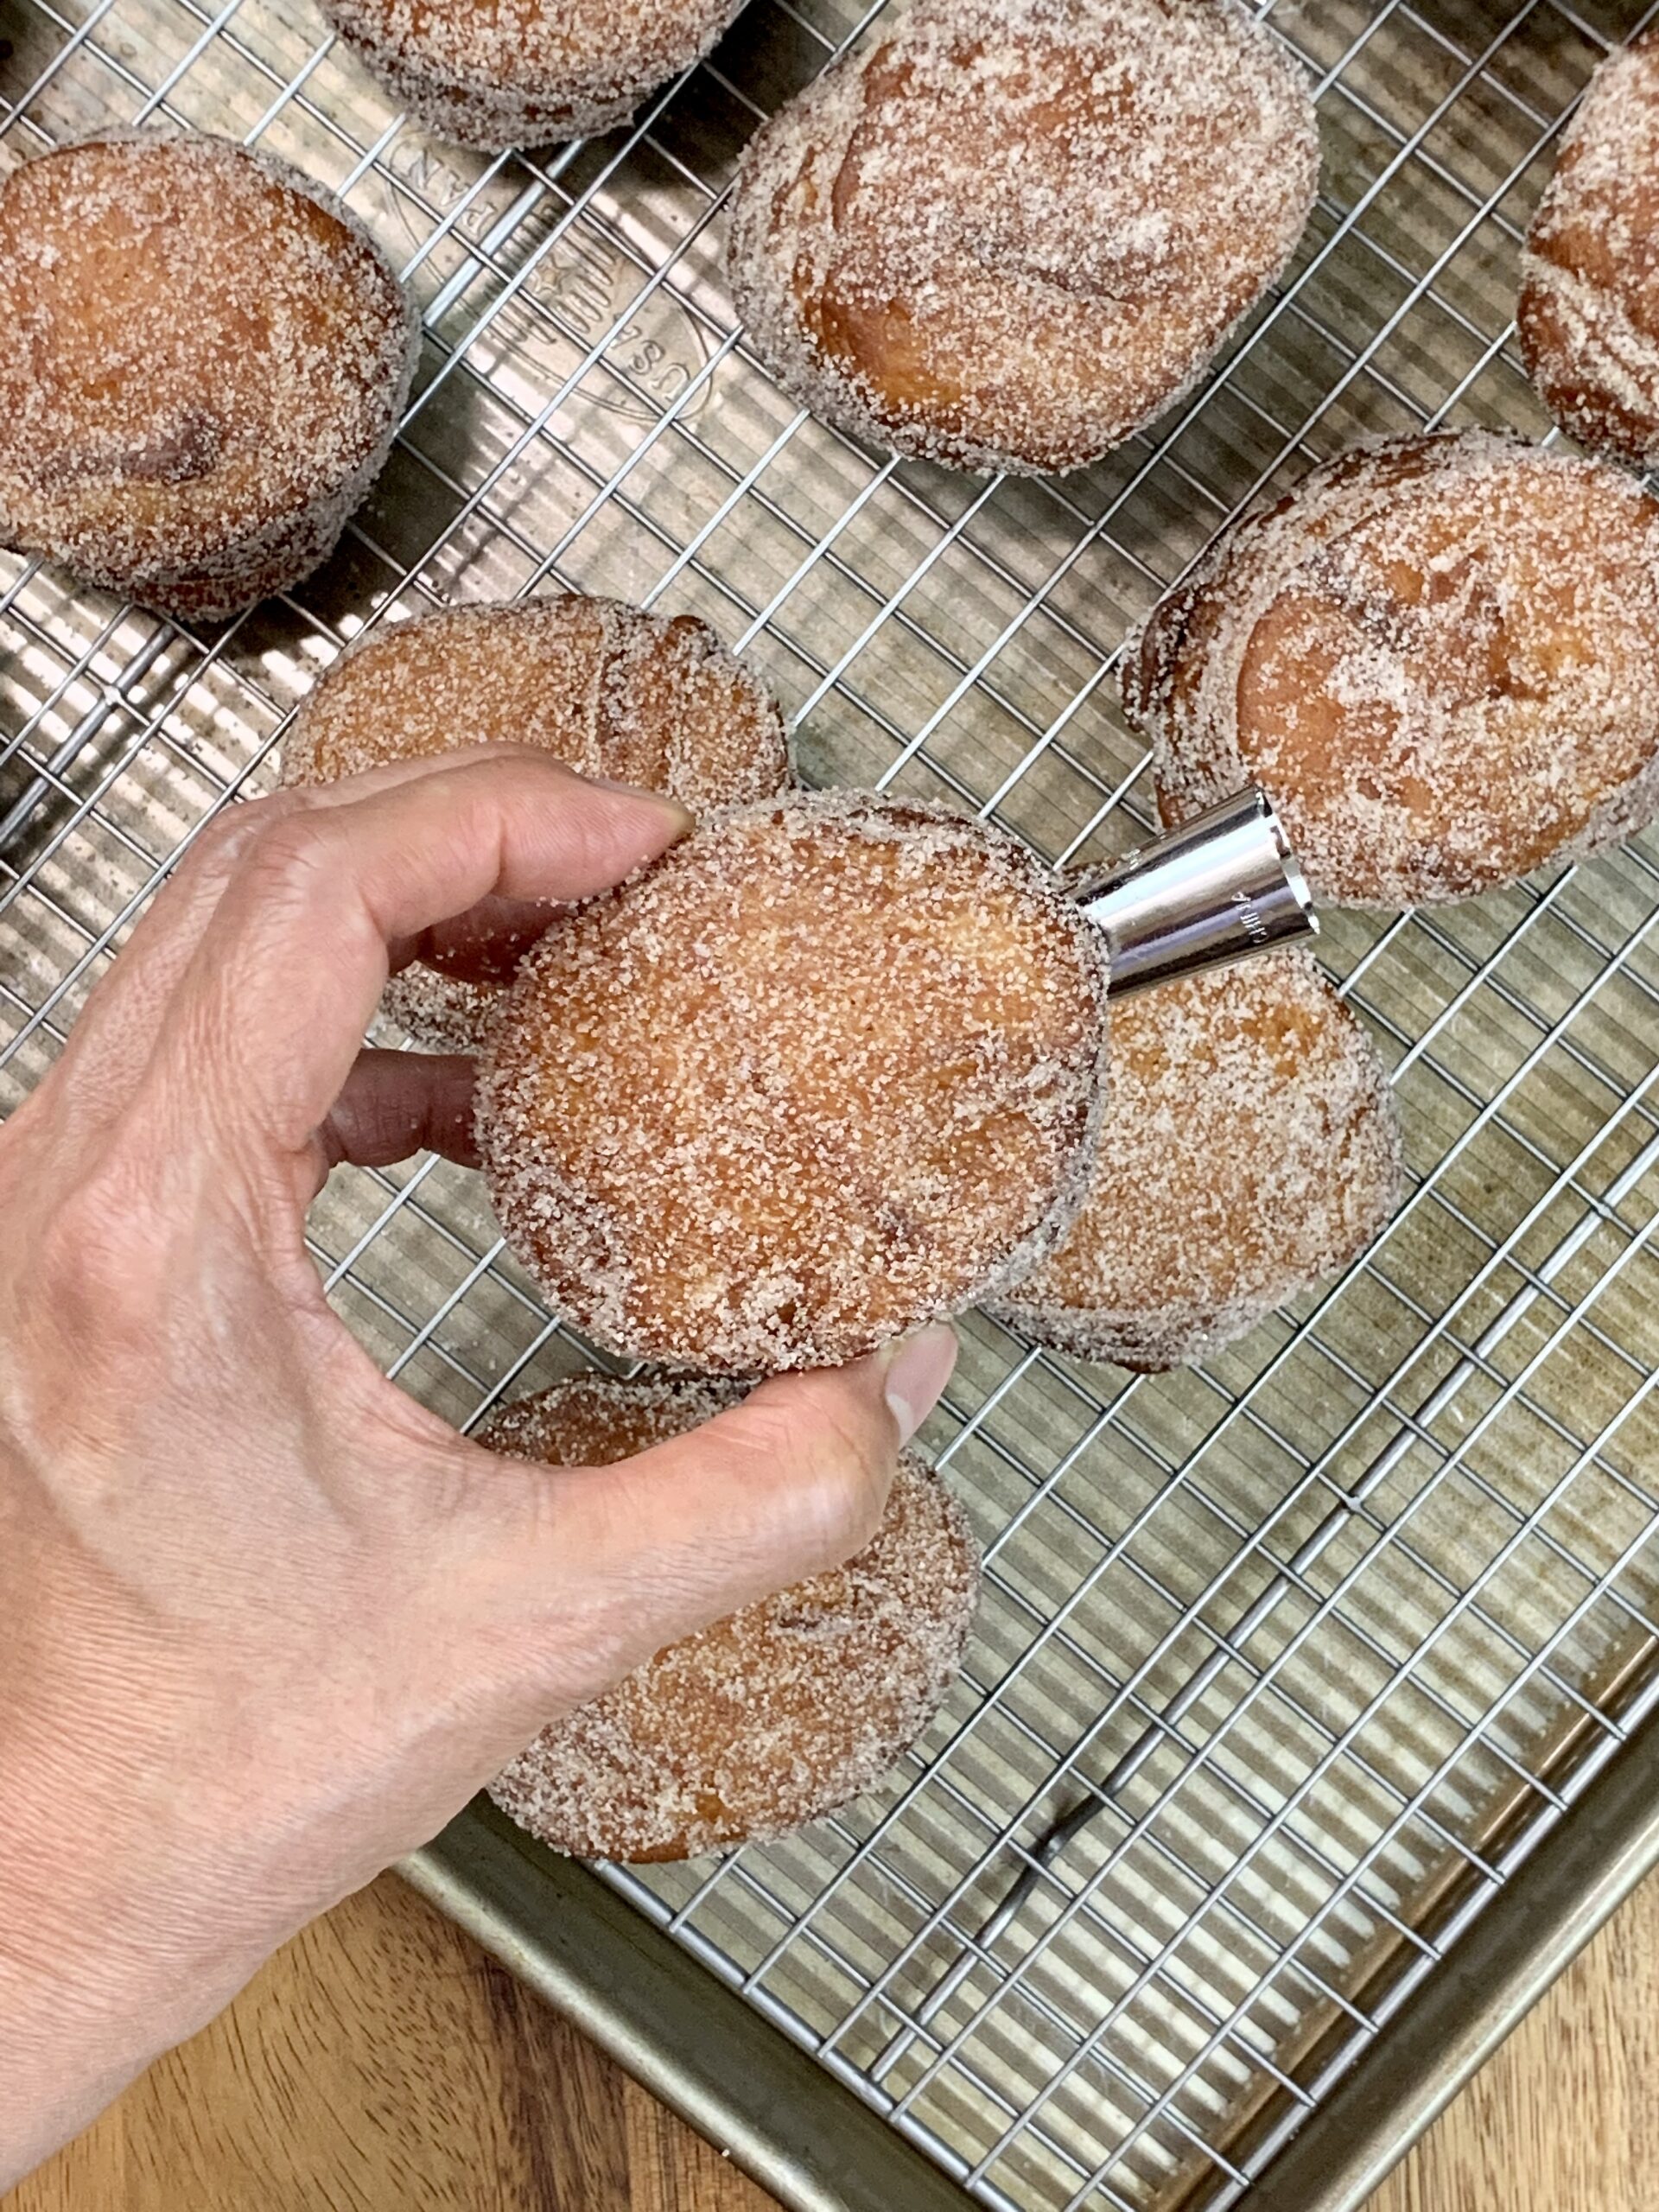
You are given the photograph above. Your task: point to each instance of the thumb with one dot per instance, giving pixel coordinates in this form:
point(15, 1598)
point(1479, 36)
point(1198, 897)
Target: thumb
point(617, 1562)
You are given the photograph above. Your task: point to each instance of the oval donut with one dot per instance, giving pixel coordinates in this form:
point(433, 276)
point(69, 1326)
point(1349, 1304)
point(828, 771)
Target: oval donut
point(770, 1718)
point(494, 75)
point(1251, 1147)
point(202, 370)
point(1016, 230)
point(1438, 656)
point(610, 691)
point(1588, 317)
point(829, 1068)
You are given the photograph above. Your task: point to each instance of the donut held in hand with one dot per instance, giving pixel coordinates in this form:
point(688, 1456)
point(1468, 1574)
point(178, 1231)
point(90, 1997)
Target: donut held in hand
point(829, 1068)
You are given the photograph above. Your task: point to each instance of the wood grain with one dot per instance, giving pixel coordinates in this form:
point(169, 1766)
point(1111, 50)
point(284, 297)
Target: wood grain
point(384, 2064)
point(1566, 2117)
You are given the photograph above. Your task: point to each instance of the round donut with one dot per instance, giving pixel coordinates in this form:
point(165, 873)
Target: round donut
point(202, 370)
point(1588, 317)
point(1438, 656)
point(1250, 1147)
point(639, 698)
point(1015, 230)
point(770, 1718)
point(829, 1068)
point(493, 74)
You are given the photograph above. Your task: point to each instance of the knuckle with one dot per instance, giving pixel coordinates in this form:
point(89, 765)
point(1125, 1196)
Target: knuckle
point(290, 863)
point(601, 1622)
point(218, 848)
point(290, 848)
point(854, 1499)
point(92, 1340)
point(86, 1264)
point(841, 1470)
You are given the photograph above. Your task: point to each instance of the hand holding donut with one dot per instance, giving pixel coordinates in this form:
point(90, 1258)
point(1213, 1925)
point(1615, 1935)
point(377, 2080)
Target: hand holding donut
point(265, 1623)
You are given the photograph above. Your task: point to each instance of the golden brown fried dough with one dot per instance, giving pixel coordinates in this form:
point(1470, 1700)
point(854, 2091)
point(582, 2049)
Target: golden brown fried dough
point(202, 369)
point(1250, 1147)
point(498, 73)
point(610, 691)
point(770, 1718)
point(1017, 230)
point(1589, 313)
point(829, 1068)
point(1440, 657)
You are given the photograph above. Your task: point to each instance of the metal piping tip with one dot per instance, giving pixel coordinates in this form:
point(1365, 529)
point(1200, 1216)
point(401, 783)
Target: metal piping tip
point(1221, 888)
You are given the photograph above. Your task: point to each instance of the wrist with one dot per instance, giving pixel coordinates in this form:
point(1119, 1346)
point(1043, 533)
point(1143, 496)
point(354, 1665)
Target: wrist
point(55, 2076)
point(114, 1946)
point(76, 2020)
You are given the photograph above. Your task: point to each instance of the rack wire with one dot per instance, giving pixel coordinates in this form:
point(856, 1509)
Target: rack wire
point(1286, 1662)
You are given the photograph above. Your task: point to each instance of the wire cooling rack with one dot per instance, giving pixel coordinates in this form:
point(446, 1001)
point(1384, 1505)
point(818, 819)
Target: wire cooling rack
point(1286, 1663)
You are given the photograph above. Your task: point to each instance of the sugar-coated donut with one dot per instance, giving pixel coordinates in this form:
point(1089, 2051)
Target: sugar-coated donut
point(1588, 318)
point(497, 74)
point(613, 692)
point(202, 369)
point(1015, 230)
point(829, 1068)
point(443, 1013)
point(773, 1717)
point(1438, 656)
point(1250, 1147)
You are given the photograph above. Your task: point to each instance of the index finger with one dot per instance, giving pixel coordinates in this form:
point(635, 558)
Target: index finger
point(116, 1030)
point(269, 1017)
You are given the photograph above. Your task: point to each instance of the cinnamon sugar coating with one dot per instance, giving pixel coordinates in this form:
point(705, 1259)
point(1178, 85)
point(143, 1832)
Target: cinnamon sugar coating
point(1440, 657)
point(1250, 1147)
point(610, 691)
point(827, 1070)
point(493, 74)
point(203, 369)
point(1588, 318)
point(1016, 230)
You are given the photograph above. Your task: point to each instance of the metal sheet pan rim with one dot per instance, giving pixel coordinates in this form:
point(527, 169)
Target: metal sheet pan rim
point(634, 1992)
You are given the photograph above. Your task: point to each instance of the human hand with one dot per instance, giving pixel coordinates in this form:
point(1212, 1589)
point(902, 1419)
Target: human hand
point(265, 1623)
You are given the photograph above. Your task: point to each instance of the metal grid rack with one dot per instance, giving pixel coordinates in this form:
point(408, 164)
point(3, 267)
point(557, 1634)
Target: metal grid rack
point(1287, 1664)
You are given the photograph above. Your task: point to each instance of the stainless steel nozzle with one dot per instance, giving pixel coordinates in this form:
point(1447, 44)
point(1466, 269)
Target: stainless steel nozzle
point(1222, 887)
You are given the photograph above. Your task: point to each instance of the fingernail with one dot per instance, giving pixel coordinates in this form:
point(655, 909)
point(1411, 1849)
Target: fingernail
point(918, 1368)
point(683, 818)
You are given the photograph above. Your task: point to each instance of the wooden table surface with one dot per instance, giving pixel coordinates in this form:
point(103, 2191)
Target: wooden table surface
point(384, 2064)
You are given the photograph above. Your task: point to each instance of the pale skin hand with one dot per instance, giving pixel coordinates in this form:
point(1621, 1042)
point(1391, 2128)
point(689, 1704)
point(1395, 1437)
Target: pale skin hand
point(266, 1623)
